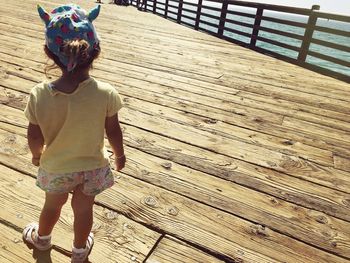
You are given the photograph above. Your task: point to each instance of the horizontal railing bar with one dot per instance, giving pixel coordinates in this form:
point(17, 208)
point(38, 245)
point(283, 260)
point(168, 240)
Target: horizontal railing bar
point(188, 24)
point(208, 23)
point(238, 32)
point(211, 8)
point(329, 58)
point(191, 4)
point(190, 11)
point(332, 31)
point(173, 6)
point(239, 23)
point(285, 22)
point(231, 12)
point(210, 16)
point(171, 12)
point(330, 44)
point(284, 9)
point(277, 43)
point(188, 17)
point(337, 17)
point(282, 33)
point(208, 31)
point(161, 9)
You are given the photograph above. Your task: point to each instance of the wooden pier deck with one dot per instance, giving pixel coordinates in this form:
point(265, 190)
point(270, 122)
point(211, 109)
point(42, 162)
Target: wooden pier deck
point(233, 156)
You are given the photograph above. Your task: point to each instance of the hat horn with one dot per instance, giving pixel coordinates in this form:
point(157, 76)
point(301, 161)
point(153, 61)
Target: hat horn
point(45, 16)
point(94, 13)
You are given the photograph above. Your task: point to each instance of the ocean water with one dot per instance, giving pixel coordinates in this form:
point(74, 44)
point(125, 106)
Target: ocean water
point(342, 40)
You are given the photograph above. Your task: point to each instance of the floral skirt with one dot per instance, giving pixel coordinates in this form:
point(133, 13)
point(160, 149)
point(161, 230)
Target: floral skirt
point(93, 182)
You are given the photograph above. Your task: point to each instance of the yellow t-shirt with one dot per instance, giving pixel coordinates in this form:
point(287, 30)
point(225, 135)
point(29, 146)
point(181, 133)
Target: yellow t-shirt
point(73, 124)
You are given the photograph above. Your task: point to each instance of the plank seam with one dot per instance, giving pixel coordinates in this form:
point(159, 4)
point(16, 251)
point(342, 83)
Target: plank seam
point(154, 247)
point(218, 255)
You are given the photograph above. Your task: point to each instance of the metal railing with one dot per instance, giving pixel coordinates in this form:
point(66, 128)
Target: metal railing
point(288, 33)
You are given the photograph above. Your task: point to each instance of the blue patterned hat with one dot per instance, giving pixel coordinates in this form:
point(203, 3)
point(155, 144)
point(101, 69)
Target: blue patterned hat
point(69, 22)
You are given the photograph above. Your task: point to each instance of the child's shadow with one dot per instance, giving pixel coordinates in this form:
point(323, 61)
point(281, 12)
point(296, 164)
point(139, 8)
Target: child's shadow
point(45, 256)
point(42, 256)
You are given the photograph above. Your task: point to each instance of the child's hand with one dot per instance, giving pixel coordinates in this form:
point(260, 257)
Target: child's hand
point(36, 160)
point(120, 162)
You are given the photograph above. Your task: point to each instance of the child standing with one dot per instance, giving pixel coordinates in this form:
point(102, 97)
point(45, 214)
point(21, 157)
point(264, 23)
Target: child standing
point(67, 121)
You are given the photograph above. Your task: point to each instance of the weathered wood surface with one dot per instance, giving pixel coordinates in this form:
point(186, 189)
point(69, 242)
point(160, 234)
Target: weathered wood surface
point(13, 250)
point(176, 213)
point(118, 237)
point(248, 161)
point(171, 250)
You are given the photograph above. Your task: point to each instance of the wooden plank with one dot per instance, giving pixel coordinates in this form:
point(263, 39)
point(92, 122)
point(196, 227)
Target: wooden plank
point(246, 203)
point(192, 93)
point(296, 110)
point(204, 139)
point(13, 250)
point(171, 250)
point(317, 130)
point(225, 130)
point(165, 67)
point(274, 129)
point(285, 94)
point(229, 129)
point(288, 164)
point(342, 163)
point(115, 235)
point(267, 181)
point(179, 215)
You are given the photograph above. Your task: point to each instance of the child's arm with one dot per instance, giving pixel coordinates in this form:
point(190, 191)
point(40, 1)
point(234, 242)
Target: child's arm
point(35, 142)
point(115, 138)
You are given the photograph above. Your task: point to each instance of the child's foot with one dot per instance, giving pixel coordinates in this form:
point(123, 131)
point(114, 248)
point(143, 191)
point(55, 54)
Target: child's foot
point(32, 239)
point(79, 255)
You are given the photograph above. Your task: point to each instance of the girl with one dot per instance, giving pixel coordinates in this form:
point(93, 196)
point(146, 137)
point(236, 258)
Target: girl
point(67, 120)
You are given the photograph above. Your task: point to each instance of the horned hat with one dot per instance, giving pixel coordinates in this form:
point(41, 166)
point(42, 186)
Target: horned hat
point(69, 22)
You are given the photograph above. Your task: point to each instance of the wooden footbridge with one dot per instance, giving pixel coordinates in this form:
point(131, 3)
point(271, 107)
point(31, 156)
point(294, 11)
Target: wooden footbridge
point(233, 156)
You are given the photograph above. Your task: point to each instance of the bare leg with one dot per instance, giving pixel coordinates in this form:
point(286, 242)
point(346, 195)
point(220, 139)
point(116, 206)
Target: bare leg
point(83, 216)
point(51, 212)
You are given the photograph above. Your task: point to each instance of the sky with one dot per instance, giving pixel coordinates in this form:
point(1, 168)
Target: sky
point(330, 6)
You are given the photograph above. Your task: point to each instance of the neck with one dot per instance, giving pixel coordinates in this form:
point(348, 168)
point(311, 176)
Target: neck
point(75, 77)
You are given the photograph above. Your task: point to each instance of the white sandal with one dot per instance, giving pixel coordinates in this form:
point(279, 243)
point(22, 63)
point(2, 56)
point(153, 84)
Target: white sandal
point(79, 255)
point(41, 243)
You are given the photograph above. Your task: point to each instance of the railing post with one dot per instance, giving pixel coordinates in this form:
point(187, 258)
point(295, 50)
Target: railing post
point(198, 17)
point(145, 3)
point(166, 8)
point(154, 6)
point(179, 11)
point(305, 45)
point(222, 18)
point(257, 22)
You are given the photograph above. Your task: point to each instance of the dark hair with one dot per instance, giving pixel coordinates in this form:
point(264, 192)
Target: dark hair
point(77, 49)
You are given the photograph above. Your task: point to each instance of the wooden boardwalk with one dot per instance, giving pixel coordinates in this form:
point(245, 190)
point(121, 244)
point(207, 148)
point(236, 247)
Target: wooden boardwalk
point(233, 156)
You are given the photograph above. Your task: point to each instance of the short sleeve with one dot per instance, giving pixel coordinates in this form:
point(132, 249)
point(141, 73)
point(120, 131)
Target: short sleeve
point(29, 111)
point(114, 103)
